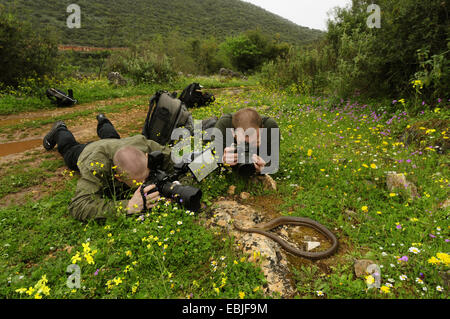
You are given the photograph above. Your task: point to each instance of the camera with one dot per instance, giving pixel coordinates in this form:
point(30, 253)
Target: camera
point(188, 196)
point(248, 168)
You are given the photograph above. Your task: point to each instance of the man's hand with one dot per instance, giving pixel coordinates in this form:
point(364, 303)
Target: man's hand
point(258, 162)
point(230, 157)
point(136, 204)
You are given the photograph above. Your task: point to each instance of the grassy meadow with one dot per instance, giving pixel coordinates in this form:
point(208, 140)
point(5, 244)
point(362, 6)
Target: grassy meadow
point(334, 159)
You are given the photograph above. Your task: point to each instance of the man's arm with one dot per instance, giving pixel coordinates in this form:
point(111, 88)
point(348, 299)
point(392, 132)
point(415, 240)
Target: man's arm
point(89, 204)
point(222, 124)
point(270, 123)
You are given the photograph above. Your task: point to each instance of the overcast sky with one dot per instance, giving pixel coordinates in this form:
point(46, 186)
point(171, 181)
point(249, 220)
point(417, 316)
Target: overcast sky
point(307, 13)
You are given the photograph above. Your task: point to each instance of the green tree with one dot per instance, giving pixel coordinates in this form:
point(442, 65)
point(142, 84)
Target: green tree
point(24, 53)
point(248, 51)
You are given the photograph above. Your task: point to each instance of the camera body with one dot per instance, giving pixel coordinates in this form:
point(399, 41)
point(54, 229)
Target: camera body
point(187, 196)
point(248, 168)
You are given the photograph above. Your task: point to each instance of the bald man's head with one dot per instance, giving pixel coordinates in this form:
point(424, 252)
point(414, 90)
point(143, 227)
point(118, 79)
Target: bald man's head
point(131, 165)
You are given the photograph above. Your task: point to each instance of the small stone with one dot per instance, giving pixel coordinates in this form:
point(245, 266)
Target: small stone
point(116, 78)
point(268, 182)
point(445, 204)
point(350, 213)
point(361, 267)
point(284, 233)
point(231, 190)
point(396, 181)
point(312, 244)
point(445, 278)
point(245, 195)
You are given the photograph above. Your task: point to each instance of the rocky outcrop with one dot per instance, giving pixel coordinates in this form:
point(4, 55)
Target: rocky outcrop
point(259, 248)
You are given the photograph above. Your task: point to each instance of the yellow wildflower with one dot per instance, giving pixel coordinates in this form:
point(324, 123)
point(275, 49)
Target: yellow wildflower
point(433, 260)
point(86, 247)
point(89, 259)
point(76, 258)
point(385, 289)
point(370, 280)
point(445, 258)
point(117, 281)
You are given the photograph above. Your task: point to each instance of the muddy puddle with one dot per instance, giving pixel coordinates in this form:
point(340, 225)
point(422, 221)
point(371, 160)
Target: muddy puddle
point(18, 147)
point(14, 120)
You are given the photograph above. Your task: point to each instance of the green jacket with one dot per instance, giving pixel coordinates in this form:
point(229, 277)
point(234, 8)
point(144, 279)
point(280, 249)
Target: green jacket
point(98, 194)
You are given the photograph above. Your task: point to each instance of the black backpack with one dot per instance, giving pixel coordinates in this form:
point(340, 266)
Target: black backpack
point(60, 98)
point(164, 115)
point(192, 97)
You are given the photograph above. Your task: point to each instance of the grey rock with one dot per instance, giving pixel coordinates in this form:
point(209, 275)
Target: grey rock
point(361, 267)
point(312, 244)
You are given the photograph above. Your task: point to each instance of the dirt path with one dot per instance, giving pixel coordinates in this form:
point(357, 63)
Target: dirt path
point(26, 144)
point(15, 145)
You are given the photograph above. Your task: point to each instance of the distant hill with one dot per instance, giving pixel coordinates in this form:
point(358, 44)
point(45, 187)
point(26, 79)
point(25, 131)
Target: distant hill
point(113, 23)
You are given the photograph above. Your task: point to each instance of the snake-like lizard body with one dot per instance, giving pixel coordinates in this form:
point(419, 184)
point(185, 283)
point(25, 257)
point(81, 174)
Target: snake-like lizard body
point(298, 221)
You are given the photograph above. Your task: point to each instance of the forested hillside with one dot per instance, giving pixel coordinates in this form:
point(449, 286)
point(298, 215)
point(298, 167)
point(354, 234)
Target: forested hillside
point(119, 23)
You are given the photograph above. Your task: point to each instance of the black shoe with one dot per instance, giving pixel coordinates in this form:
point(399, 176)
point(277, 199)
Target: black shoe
point(101, 118)
point(49, 141)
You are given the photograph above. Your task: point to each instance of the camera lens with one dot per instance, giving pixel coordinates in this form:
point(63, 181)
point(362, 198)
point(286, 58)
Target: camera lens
point(187, 196)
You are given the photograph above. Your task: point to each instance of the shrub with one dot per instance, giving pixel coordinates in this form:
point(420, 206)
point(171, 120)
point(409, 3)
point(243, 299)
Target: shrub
point(24, 53)
point(142, 65)
point(249, 51)
point(300, 71)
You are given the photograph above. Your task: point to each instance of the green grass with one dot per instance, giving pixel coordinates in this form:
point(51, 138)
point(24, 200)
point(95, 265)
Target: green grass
point(334, 157)
point(23, 176)
point(91, 90)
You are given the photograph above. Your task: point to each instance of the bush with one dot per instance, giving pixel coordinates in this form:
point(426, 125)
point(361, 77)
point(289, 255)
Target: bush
point(24, 53)
point(208, 56)
point(142, 65)
point(249, 51)
point(301, 71)
point(384, 61)
point(410, 50)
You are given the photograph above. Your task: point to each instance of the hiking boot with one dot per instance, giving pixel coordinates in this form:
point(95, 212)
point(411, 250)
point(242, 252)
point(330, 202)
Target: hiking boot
point(49, 141)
